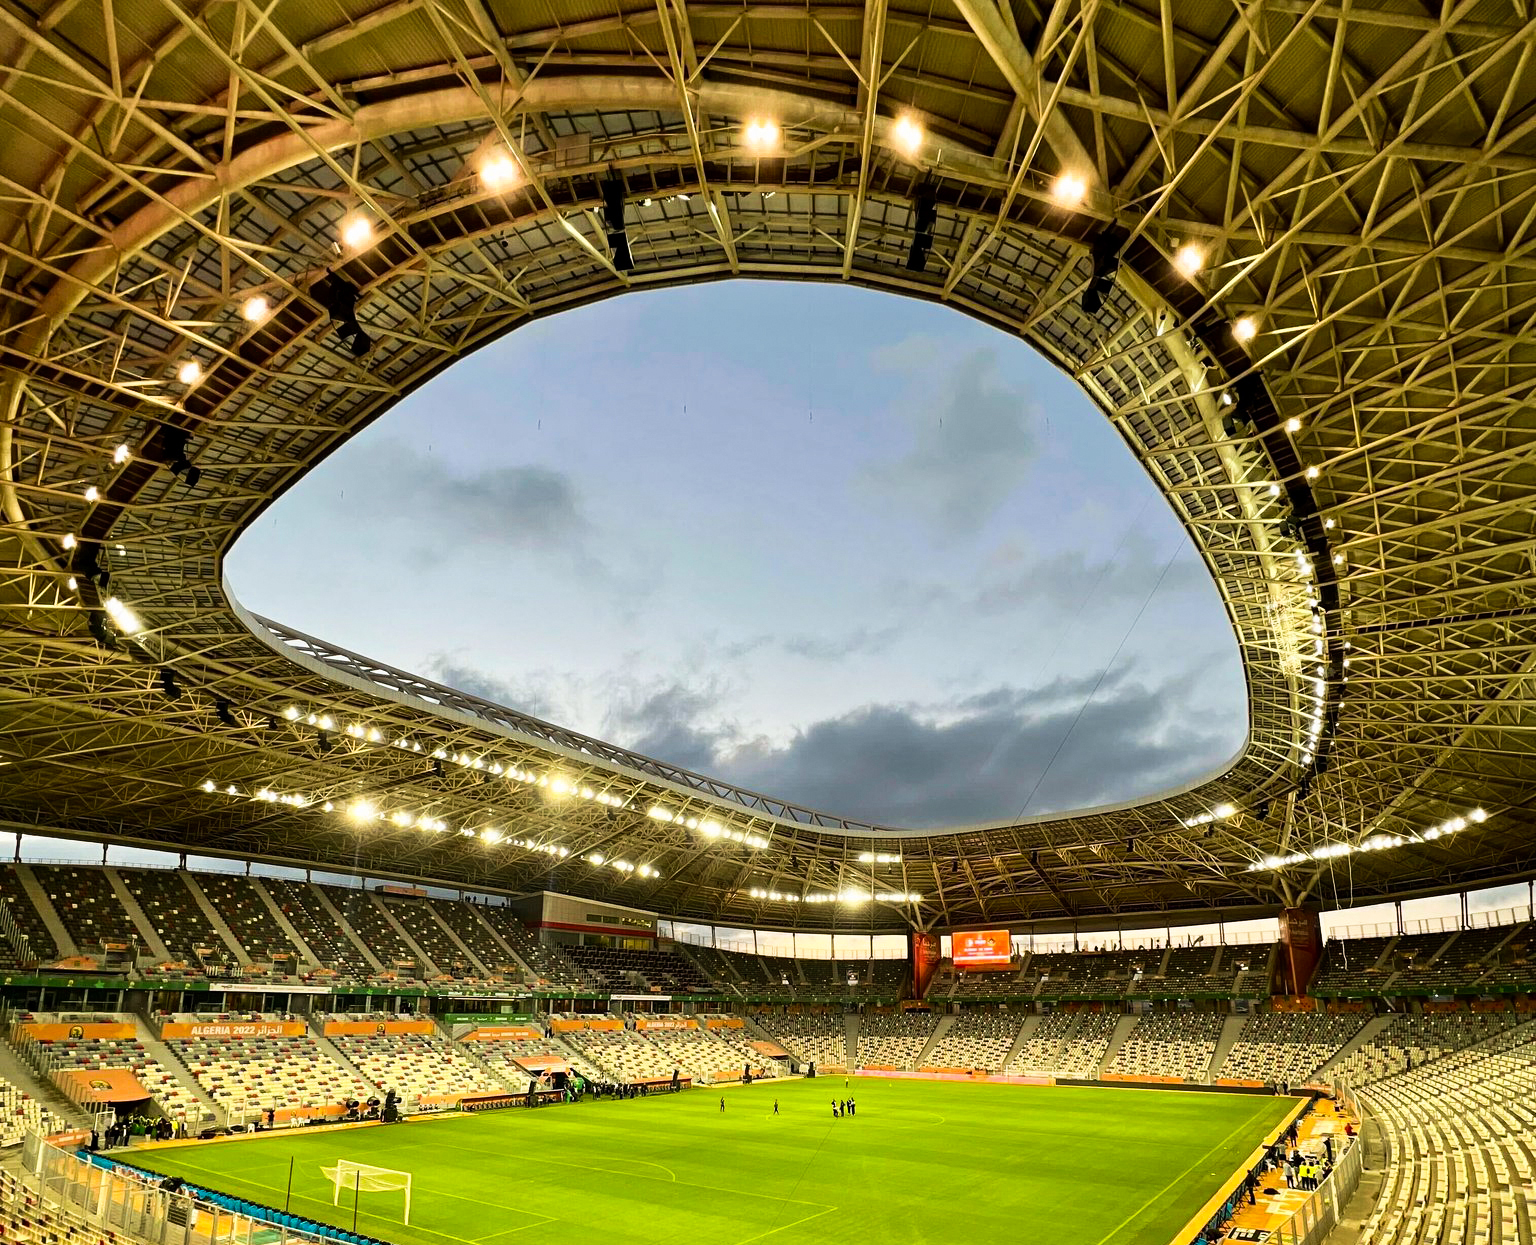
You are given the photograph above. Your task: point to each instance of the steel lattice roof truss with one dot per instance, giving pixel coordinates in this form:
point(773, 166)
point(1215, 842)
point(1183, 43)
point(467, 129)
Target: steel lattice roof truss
point(1326, 217)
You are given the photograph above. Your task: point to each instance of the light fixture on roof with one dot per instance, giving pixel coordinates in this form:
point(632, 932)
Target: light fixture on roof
point(69, 541)
point(356, 231)
point(925, 215)
point(1313, 473)
point(362, 811)
point(761, 134)
point(126, 620)
point(190, 372)
point(1292, 424)
point(256, 308)
point(498, 171)
point(1069, 190)
point(120, 455)
point(907, 134)
point(1245, 328)
point(1189, 259)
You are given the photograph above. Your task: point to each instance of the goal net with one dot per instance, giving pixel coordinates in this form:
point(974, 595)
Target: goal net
point(360, 1178)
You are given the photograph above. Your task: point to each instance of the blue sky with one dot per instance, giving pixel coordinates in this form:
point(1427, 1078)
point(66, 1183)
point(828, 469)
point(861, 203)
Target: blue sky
point(849, 549)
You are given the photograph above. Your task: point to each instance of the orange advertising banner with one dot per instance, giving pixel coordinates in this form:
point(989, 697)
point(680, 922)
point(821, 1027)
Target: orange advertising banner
point(106, 1084)
point(664, 1022)
point(982, 948)
point(560, 1025)
point(63, 1033)
point(375, 1028)
point(724, 1022)
point(504, 1033)
point(606, 1026)
point(231, 1029)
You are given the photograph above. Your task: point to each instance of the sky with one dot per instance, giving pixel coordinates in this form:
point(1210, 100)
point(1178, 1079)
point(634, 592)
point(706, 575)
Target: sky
point(851, 550)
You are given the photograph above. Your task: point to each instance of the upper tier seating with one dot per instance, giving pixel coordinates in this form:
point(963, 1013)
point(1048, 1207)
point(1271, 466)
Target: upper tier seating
point(317, 927)
point(1288, 1047)
point(549, 963)
point(250, 1074)
point(415, 917)
point(177, 918)
point(1169, 1044)
point(1350, 965)
point(464, 920)
point(976, 1040)
point(88, 906)
point(358, 908)
point(661, 971)
point(416, 1065)
point(895, 1040)
point(815, 1038)
point(1459, 1133)
point(249, 918)
point(1413, 1041)
point(14, 897)
point(1037, 1055)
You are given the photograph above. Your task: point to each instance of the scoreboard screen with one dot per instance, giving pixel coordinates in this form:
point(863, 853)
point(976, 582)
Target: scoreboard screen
point(987, 948)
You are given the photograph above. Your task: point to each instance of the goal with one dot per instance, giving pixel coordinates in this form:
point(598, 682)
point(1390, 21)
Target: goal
point(360, 1178)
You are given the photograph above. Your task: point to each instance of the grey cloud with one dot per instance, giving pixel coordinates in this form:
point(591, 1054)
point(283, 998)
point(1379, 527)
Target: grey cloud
point(903, 767)
point(1064, 582)
point(972, 443)
point(668, 721)
point(525, 507)
point(532, 698)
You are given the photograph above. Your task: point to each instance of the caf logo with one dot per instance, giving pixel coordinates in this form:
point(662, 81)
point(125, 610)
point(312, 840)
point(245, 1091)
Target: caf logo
point(76, 1031)
point(100, 1084)
point(379, 1030)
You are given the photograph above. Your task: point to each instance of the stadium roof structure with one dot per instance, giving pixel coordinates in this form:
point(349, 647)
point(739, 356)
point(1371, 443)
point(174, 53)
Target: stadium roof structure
point(233, 233)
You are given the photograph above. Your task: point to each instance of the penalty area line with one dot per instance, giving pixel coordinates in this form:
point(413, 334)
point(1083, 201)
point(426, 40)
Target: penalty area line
point(825, 1210)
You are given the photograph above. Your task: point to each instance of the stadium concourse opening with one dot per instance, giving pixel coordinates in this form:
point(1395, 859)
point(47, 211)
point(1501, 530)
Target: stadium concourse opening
point(995, 594)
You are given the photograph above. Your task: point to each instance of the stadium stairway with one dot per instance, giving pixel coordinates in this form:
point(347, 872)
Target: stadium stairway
point(135, 913)
point(475, 961)
point(1026, 1031)
point(45, 910)
point(1117, 1039)
point(220, 927)
point(1231, 1031)
point(502, 946)
point(425, 967)
point(22, 1074)
point(306, 953)
point(1372, 1027)
point(330, 1050)
point(361, 947)
point(168, 1059)
point(946, 1023)
point(851, 1027)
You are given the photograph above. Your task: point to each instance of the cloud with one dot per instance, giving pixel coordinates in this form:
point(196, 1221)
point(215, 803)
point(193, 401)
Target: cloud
point(972, 444)
point(1067, 581)
point(534, 698)
point(990, 757)
point(668, 721)
point(524, 507)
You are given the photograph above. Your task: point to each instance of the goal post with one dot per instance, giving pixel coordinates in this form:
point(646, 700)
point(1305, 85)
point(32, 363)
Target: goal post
point(359, 1178)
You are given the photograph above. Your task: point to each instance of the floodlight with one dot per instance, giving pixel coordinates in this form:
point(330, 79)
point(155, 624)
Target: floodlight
point(356, 232)
point(1189, 259)
point(224, 711)
point(907, 134)
point(168, 683)
point(1245, 329)
point(1069, 190)
point(761, 134)
point(499, 172)
point(1104, 254)
point(926, 214)
point(256, 308)
point(190, 372)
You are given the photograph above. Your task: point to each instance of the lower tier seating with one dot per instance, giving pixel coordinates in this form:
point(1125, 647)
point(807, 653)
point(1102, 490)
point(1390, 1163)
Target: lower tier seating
point(1169, 1044)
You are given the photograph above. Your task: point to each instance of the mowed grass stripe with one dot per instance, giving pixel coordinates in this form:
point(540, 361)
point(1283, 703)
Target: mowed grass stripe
point(921, 1162)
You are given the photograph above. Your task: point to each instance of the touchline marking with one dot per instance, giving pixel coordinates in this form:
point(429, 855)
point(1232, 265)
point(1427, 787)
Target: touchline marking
point(1244, 1126)
point(826, 1210)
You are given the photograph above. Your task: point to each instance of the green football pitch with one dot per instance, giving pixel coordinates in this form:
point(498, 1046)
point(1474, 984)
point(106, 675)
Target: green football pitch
point(921, 1161)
